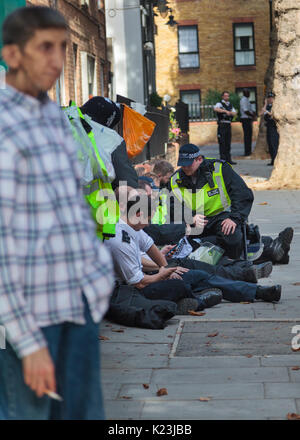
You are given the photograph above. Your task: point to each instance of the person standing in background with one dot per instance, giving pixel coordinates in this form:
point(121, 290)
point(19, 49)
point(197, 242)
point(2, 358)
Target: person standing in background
point(225, 113)
point(247, 116)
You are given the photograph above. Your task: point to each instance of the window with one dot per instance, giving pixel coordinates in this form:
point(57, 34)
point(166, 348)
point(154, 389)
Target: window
point(91, 64)
point(188, 50)
point(88, 76)
point(252, 97)
point(244, 53)
point(193, 99)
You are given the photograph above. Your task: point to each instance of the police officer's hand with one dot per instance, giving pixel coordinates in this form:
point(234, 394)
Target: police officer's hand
point(165, 272)
point(228, 226)
point(38, 371)
point(200, 220)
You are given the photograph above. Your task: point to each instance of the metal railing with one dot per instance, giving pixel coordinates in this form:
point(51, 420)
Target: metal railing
point(201, 112)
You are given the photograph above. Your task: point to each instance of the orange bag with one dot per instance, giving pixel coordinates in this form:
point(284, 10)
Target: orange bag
point(137, 130)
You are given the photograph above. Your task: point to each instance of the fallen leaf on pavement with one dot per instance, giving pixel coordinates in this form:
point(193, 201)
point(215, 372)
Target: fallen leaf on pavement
point(293, 416)
point(295, 349)
point(296, 284)
point(245, 302)
point(249, 355)
point(103, 338)
point(205, 399)
point(212, 335)
point(117, 330)
point(263, 203)
point(193, 313)
point(162, 392)
point(146, 386)
point(126, 397)
point(295, 368)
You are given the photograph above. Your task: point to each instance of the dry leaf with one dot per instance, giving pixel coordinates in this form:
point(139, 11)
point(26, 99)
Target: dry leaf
point(205, 399)
point(295, 368)
point(295, 349)
point(103, 338)
point(212, 335)
point(296, 284)
point(293, 416)
point(162, 392)
point(117, 330)
point(126, 397)
point(146, 386)
point(193, 313)
point(249, 355)
point(263, 203)
point(245, 302)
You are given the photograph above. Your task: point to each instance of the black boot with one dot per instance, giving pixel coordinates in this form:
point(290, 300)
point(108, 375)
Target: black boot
point(256, 271)
point(209, 298)
point(268, 293)
point(281, 246)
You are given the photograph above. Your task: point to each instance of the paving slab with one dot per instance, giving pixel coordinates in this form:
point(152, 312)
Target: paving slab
point(123, 410)
point(126, 375)
point(221, 375)
point(137, 356)
point(195, 391)
point(256, 409)
point(215, 362)
point(281, 361)
point(281, 390)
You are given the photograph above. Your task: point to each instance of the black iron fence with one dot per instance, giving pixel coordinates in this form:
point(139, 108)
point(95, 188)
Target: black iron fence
point(201, 112)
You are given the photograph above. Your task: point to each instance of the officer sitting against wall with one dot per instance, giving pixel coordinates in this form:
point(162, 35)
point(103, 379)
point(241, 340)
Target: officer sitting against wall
point(218, 199)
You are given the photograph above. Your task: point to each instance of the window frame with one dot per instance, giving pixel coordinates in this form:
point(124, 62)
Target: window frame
point(199, 94)
point(188, 53)
point(234, 27)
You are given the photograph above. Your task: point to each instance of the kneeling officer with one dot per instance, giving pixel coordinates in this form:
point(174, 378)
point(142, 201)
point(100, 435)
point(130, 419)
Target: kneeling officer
point(218, 198)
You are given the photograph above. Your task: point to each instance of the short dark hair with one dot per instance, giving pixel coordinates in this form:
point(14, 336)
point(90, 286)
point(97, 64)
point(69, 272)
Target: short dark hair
point(163, 167)
point(225, 91)
point(20, 26)
point(145, 207)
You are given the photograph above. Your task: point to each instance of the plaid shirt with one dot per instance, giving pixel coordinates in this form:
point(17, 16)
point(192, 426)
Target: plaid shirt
point(49, 253)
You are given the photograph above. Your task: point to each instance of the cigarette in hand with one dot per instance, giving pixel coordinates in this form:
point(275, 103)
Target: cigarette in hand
point(54, 395)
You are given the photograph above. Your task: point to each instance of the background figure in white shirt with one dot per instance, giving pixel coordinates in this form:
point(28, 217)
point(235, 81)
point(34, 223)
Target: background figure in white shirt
point(247, 117)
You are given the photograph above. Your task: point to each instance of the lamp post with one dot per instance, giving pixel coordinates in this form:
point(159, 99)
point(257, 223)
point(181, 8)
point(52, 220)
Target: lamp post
point(171, 22)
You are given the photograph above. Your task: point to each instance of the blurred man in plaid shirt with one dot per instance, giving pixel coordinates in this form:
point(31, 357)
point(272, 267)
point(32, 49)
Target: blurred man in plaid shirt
point(55, 276)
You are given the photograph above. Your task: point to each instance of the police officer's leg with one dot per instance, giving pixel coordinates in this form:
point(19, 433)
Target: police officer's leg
point(269, 141)
point(222, 144)
point(232, 243)
point(234, 291)
point(228, 142)
point(171, 290)
point(247, 126)
point(275, 143)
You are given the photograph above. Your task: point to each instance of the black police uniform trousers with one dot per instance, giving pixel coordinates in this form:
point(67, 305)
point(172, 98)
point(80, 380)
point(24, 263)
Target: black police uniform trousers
point(224, 138)
point(273, 140)
point(232, 243)
point(247, 129)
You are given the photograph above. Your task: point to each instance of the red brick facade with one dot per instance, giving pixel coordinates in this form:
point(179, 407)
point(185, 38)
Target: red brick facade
point(87, 42)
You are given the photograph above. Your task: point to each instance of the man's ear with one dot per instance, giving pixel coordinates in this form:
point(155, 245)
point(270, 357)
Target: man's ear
point(12, 55)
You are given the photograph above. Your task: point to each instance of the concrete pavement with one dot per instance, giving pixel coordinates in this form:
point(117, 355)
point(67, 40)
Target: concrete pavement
point(246, 371)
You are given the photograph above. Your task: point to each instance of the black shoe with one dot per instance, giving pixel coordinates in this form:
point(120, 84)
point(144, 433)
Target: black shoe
point(286, 237)
point(232, 162)
point(271, 164)
point(256, 271)
point(187, 304)
point(285, 259)
point(209, 298)
point(281, 245)
point(268, 294)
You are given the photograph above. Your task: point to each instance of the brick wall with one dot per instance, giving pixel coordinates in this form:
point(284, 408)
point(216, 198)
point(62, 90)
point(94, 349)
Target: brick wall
point(215, 20)
point(87, 31)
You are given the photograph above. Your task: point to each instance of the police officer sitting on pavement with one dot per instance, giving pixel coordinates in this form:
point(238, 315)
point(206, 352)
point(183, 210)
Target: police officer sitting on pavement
point(225, 112)
point(217, 198)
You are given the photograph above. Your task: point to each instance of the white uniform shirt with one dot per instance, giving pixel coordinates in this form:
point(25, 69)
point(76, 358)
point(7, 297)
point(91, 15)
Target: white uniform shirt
point(245, 106)
point(126, 248)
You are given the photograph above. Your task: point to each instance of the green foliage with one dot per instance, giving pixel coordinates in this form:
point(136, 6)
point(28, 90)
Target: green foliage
point(155, 100)
point(214, 96)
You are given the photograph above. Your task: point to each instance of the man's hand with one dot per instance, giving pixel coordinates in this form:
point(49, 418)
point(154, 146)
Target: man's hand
point(167, 249)
point(178, 272)
point(228, 226)
point(39, 372)
point(164, 273)
point(200, 221)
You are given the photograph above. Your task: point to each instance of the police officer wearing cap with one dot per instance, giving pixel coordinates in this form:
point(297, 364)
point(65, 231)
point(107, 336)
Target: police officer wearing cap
point(218, 199)
point(225, 113)
point(272, 133)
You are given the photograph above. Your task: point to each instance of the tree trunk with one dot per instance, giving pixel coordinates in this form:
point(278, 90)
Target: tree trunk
point(286, 107)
